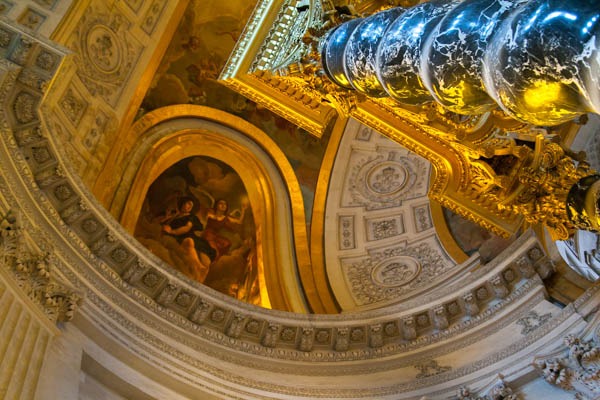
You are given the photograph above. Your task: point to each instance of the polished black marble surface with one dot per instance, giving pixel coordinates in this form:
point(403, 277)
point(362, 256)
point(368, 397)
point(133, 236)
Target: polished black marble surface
point(361, 50)
point(452, 59)
point(538, 64)
point(399, 53)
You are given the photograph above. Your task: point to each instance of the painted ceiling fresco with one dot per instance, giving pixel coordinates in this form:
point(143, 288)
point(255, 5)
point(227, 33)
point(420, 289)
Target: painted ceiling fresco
point(188, 75)
point(197, 218)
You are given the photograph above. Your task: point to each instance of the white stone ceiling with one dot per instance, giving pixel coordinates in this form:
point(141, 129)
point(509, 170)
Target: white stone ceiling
point(380, 240)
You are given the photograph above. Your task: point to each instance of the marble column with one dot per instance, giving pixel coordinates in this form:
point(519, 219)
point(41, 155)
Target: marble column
point(536, 59)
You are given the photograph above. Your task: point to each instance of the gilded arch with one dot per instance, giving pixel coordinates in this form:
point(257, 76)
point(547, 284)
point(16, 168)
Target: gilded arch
point(170, 134)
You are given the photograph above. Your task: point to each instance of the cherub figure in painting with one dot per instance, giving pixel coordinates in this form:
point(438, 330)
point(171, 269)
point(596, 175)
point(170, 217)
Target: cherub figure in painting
point(186, 228)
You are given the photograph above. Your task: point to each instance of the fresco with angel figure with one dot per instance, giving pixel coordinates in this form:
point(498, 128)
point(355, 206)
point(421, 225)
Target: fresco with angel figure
point(196, 217)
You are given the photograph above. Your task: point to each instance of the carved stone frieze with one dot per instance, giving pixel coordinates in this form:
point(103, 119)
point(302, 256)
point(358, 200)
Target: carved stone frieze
point(440, 317)
point(236, 325)
point(430, 368)
point(270, 336)
point(307, 339)
point(533, 321)
point(470, 304)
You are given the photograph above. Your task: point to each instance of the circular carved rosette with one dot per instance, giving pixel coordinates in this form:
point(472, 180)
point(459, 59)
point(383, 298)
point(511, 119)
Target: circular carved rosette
point(387, 178)
point(397, 271)
point(386, 181)
point(103, 49)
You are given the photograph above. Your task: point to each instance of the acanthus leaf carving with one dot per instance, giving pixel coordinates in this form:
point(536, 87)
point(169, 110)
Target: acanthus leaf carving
point(33, 273)
point(577, 370)
point(500, 391)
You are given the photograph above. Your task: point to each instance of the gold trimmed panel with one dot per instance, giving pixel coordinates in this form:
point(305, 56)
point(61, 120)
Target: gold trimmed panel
point(317, 228)
point(287, 102)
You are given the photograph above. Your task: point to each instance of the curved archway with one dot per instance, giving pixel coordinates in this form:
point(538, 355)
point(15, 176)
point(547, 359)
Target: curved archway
point(169, 135)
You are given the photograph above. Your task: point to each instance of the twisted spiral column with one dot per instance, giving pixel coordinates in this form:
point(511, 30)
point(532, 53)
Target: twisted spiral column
point(537, 59)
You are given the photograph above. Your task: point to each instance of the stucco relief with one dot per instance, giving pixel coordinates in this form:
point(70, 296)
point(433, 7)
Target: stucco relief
point(379, 228)
point(152, 16)
point(106, 51)
point(393, 272)
point(32, 19)
point(397, 271)
point(347, 233)
point(385, 179)
point(379, 194)
point(73, 105)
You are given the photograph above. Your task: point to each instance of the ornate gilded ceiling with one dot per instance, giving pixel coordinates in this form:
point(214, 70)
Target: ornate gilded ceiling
point(344, 185)
point(189, 72)
point(372, 192)
point(484, 330)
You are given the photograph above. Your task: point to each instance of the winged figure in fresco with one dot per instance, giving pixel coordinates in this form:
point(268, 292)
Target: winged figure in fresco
point(187, 220)
point(217, 219)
